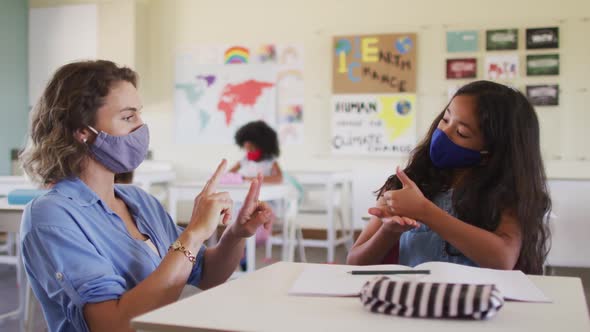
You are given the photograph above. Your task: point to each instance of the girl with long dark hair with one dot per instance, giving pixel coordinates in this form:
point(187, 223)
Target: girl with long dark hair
point(474, 191)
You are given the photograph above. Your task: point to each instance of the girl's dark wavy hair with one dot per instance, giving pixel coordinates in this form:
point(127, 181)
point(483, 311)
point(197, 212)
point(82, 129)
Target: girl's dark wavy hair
point(261, 135)
point(511, 178)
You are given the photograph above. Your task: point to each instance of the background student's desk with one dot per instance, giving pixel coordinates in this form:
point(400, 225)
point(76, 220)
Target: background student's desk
point(10, 183)
point(259, 302)
point(268, 192)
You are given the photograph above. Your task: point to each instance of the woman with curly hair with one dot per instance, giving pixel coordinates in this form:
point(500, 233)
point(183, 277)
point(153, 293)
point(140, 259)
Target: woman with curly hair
point(97, 253)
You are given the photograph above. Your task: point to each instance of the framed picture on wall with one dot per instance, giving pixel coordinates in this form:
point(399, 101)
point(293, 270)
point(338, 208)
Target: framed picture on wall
point(542, 64)
point(501, 67)
point(461, 68)
point(501, 40)
point(462, 41)
point(543, 95)
point(540, 38)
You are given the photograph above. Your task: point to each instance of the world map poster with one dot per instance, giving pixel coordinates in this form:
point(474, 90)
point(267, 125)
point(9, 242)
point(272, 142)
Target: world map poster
point(213, 101)
point(284, 60)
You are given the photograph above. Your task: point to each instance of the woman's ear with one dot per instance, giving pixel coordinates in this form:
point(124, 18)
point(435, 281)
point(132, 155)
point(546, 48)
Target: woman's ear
point(82, 135)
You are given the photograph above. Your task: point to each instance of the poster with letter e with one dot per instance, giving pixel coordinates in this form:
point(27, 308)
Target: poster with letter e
point(380, 63)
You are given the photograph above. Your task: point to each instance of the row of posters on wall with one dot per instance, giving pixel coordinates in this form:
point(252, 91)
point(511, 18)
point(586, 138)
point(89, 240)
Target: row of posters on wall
point(503, 67)
point(506, 66)
point(219, 88)
point(373, 107)
point(502, 40)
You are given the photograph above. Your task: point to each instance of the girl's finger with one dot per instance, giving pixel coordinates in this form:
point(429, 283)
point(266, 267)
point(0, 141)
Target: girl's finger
point(377, 212)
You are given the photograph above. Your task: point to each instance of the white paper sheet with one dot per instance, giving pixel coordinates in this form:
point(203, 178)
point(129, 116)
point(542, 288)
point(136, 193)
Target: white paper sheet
point(334, 280)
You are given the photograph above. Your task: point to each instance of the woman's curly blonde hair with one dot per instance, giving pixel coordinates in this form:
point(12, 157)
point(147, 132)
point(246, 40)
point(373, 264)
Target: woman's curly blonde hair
point(70, 101)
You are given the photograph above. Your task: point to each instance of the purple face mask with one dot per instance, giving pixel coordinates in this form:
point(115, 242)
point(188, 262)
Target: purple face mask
point(121, 154)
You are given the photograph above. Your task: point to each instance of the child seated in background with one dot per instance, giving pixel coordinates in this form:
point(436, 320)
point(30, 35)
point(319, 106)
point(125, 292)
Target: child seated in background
point(261, 144)
point(262, 149)
point(474, 191)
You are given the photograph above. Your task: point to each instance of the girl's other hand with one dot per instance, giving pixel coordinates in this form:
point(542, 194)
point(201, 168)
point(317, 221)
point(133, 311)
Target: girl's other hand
point(408, 201)
point(393, 223)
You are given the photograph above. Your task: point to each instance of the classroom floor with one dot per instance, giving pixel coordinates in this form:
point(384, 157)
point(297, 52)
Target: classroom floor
point(8, 292)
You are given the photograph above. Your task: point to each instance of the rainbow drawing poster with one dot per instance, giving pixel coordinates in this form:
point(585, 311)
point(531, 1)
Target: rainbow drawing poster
point(237, 55)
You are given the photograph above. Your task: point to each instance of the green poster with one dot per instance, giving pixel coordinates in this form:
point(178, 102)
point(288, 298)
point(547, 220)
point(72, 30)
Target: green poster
point(462, 41)
point(542, 64)
point(506, 39)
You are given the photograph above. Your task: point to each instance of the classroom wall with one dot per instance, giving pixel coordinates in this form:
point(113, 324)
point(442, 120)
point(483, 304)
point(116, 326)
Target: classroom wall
point(13, 78)
point(163, 26)
point(178, 24)
point(116, 27)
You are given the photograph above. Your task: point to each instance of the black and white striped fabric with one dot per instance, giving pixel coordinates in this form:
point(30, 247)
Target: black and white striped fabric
point(434, 300)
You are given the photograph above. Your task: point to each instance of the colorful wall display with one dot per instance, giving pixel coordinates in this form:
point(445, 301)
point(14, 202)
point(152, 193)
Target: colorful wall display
point(373, 124)
point(383, 63)
point(212, 80)
point(373, 107)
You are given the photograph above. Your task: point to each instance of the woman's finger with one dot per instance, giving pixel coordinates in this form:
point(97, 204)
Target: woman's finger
point(211, 185)
point(259, 178)
point(252, 196)
point(226, 218)
point(250, 203)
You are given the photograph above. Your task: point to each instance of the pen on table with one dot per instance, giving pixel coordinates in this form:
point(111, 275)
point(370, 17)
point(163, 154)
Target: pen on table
point(377, 272)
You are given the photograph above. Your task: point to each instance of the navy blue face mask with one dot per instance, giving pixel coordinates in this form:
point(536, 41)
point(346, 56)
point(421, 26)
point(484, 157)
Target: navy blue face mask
point(446, 154)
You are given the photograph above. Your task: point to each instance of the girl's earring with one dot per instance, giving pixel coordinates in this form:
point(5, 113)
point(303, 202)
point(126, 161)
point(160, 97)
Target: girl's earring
point(84, 140)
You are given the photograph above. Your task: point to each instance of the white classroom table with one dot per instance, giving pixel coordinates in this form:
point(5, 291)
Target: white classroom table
point(259, 302)
point(146, 179)
point(330, 182)
point(12, 182)
point(10, 220)
point(187, 191)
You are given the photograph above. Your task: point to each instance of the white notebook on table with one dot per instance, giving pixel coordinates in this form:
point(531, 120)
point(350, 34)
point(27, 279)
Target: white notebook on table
point(334, 280)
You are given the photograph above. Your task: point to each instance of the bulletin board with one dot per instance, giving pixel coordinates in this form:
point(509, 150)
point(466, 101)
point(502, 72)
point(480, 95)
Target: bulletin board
point(563, 126)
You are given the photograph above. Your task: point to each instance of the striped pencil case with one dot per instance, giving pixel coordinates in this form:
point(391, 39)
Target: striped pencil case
point(431, 300)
